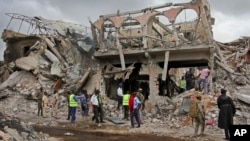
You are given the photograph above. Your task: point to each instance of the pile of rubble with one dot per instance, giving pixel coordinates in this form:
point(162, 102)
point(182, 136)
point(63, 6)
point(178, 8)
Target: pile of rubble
point(59, 62)
point(12, 129)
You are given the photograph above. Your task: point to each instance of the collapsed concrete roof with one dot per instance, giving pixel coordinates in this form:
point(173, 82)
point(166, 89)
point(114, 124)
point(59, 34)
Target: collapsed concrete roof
point(56, 60)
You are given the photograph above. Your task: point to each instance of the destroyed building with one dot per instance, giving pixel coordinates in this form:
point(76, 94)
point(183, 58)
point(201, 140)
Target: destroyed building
point(141, 49)
point(54, 54)
point(138, 48)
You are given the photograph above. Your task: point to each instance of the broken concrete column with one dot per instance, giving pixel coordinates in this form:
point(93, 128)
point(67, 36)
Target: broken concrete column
point(51, 56)
point(120, 50)
point(83, 79)
point(54, 50)
point(164, 73)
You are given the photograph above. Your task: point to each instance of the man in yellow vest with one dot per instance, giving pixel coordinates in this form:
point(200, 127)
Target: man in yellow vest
point(182, 84)
point(73, 104)
point(125, 101)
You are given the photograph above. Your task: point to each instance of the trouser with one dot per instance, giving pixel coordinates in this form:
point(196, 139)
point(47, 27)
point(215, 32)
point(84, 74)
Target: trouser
point(205, 84)
point(199, 122)
point(54, 110)
point(84, 109)
point(125, 108)
point(39, 106)
point(227, 135)
point(73, 114)
point(119, 100)
point(101, 114)
point(140, 116)
point(69, 113)
point(44, 109)
point(188, 84)
point(135, 114)
point(96, 113)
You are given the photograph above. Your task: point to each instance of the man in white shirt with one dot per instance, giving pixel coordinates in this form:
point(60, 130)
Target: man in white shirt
point(95, 103)
point(119, 96)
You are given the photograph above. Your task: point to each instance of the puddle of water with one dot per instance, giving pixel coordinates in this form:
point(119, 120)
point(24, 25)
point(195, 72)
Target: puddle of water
point(99, 136)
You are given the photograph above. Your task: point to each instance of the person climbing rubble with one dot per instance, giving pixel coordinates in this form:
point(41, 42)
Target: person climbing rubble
point(203, 78)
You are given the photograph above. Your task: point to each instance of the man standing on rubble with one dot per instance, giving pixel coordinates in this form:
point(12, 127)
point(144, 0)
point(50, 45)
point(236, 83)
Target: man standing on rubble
point(73, 103)
point(226, 113)
point(39, 96)
point(119, 96)
point(200, 119)
point(45, 102)
point(189, 76)
point(203, 78)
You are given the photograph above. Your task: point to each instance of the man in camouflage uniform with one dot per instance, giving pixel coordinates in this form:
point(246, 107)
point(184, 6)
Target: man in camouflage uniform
point(141, 99)
point(39, 96)
point(200, 120)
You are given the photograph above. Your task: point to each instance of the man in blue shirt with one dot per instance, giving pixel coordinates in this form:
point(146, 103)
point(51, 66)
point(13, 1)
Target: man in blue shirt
point(135, 112)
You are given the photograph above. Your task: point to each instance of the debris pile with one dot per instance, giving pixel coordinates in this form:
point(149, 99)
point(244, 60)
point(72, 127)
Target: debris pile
point(12, 129)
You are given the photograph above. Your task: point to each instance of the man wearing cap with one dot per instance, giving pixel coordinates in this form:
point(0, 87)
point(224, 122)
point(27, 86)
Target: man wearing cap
point(119, 96)
point(141, 97)
point(226, 113)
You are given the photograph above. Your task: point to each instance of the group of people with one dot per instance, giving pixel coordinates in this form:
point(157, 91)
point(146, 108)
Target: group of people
point(43, 101)
point(132, 103)
point(227, 111)
point(73, 100)
point(186, 82)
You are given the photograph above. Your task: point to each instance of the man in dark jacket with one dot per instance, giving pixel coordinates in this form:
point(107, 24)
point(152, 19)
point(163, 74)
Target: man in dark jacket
point(226, 113)
point(189, 79)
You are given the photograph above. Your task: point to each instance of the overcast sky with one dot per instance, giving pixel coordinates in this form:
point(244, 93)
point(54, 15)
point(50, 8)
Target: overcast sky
point(231, 16)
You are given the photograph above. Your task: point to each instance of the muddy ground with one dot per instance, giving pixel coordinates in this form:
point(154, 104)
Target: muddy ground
point(86, 130)
point(81, 135)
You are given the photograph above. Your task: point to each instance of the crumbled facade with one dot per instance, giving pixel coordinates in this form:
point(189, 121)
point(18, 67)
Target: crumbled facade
point(138, 49)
